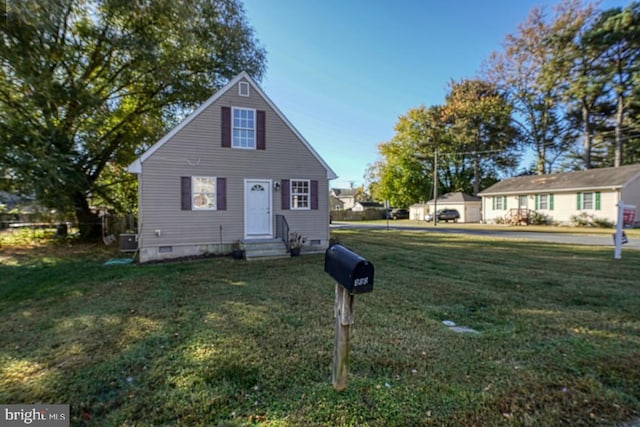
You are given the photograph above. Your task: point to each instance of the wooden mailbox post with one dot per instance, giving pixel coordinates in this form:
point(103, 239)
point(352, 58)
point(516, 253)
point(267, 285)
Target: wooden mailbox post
point(353, 275)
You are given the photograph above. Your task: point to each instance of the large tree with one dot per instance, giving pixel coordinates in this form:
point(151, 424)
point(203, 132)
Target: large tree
point(520, 72)
point(579, 66)
point(85, 84)
point(404, 173)
point(615, 35)
point(481, 128)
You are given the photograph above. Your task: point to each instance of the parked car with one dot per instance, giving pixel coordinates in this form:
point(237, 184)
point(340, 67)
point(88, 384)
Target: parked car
point(447, 215)
point(398, 214)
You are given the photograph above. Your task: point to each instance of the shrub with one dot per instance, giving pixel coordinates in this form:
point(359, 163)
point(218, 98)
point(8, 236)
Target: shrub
point(537, 218)
point(587, 220)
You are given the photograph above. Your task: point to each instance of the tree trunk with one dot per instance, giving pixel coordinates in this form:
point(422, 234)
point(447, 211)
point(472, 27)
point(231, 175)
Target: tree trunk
point(476, 173)
point(586, 134)
point(88, 222)
point(540, 164)
point(619, 143)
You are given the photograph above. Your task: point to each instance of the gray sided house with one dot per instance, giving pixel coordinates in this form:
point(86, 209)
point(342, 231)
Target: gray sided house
point(234, 171)
point(560, 197)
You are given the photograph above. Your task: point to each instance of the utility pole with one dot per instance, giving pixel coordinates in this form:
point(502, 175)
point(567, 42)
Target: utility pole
point(435, 188)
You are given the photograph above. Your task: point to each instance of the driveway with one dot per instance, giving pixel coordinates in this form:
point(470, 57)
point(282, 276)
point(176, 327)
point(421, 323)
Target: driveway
point(566, 238)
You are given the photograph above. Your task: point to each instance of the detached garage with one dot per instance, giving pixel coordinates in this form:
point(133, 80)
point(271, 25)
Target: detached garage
point(468, 206)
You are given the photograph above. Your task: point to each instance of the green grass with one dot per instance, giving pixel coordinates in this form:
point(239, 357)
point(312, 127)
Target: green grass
point(230, 343)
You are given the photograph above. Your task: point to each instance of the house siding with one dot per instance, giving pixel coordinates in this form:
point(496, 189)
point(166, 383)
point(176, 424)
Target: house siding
point(196, 150)
point(564, 206)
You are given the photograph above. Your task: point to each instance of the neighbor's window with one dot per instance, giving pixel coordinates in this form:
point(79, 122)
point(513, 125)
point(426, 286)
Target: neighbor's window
point(244, 128)
point(300, 194)
point(498, 202)
point(543, 202)
point(203, 192)
point(587, 200)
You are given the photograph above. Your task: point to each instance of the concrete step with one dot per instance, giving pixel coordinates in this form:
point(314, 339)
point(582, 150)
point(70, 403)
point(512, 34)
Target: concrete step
point(265, 248)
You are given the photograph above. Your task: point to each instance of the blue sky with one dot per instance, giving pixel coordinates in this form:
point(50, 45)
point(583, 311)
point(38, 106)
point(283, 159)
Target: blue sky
point(343, 71)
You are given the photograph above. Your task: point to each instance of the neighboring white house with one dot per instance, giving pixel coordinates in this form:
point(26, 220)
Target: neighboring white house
point(346, 195)
point(234, 170)
point(561, 196)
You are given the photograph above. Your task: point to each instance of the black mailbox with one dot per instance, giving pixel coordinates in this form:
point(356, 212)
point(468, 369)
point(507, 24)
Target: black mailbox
point(349, 269)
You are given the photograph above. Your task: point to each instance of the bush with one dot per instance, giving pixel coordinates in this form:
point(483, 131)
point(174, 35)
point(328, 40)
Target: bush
point(587, 220)
point(498, 220)
point(537, 218)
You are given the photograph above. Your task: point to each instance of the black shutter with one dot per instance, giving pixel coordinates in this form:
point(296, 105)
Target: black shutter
point(221, 194)
point(314, 194)
point(284, 192)
point(226, 127)
point(260, 130)
point(185, 190)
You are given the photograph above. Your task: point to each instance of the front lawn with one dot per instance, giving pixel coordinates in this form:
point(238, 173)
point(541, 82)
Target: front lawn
point(218, 342)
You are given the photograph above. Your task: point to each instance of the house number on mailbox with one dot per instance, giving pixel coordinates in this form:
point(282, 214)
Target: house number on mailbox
point(361, 281)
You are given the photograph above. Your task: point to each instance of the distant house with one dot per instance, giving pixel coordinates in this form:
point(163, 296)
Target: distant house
point(561, 196)
point(347, 197)
point(234, 170)
point(468, 206)
point(335, 204)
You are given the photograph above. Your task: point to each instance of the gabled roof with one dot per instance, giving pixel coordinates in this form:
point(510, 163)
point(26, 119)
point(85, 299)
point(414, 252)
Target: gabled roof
point(592, 179)
point(136, 166)
point(344, 192)
point(457, 197)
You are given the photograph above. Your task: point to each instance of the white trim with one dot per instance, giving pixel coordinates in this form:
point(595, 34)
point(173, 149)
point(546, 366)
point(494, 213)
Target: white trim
point(246, 214)
point(255, 127)
point(243, 89)
point(308, 181)
point(136, 166)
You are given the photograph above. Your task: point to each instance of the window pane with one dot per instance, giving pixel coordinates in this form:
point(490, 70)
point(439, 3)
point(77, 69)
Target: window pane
point(587, 200)
point(243, 128)
point(204, 192)
point(543, 201)
point(299, 194)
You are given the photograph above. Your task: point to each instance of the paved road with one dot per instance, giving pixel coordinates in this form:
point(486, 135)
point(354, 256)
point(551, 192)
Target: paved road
point(572, 239)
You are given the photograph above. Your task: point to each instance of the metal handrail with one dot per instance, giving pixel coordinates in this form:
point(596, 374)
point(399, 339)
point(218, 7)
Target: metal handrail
point(282, 230)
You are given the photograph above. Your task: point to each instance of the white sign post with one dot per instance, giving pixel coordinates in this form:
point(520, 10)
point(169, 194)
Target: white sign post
point(626, 215)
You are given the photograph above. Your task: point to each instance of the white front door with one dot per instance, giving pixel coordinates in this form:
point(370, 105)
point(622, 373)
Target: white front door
point(257, 208)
